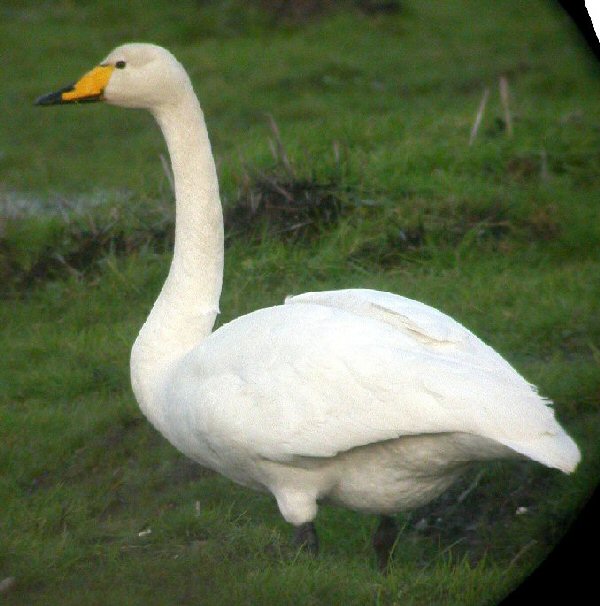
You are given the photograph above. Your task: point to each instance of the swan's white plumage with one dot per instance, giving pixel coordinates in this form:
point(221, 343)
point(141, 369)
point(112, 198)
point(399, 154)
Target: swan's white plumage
point(365, 398)
point(315, 380)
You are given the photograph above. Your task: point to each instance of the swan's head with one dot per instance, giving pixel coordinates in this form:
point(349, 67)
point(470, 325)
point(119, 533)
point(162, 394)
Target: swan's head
point(133, 75)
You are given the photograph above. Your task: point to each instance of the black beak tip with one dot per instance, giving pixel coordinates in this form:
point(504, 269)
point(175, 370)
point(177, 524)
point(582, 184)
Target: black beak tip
point(56, 97)
point(49, 99)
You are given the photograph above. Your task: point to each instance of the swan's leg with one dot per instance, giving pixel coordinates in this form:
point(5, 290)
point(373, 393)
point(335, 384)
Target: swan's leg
point(384, 539)
point(299, 507)
point(305, 537)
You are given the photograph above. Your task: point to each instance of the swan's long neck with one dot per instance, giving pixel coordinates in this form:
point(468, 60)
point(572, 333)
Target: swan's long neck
point(188, 304)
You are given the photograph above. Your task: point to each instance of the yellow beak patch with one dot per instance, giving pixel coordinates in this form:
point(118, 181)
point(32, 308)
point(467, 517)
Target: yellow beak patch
point(90, 86)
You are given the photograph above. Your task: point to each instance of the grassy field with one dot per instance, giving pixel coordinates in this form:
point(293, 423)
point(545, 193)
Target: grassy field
point(375, 112)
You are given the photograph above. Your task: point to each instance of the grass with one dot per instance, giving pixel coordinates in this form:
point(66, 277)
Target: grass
point(374, 113)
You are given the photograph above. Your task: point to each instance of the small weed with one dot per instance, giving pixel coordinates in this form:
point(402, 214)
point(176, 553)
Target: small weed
point(277, 204)
point(544, 222)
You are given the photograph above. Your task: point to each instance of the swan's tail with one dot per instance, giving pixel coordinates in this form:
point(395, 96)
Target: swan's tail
point(553, 450)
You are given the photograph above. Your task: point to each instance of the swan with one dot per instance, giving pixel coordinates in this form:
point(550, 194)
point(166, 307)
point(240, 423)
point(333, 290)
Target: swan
point(360, 398)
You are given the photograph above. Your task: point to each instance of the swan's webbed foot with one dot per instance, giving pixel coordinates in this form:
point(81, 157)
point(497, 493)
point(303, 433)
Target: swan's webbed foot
point(384, 540)
point(305, 537)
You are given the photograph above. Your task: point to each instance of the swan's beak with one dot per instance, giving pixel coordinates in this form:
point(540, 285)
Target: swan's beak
point(88, 88)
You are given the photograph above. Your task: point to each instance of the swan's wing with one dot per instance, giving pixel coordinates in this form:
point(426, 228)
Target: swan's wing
point(424, 323)
point(314, 380)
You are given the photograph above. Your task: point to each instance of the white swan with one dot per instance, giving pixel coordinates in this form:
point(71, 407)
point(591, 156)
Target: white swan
point(362, 398)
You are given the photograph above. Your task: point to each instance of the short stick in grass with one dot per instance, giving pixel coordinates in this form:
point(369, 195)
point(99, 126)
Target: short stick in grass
point(479, 116)
point(505, 98)
point(277, 148)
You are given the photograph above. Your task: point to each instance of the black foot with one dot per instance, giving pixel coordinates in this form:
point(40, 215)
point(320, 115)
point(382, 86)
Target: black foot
point(305, 537)
point(384, 540)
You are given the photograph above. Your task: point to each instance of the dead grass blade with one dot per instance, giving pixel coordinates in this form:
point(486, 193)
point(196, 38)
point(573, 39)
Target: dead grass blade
point(505, 98)
point(479, 116)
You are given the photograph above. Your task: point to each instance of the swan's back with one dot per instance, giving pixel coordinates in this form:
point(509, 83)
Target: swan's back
point(308, 379)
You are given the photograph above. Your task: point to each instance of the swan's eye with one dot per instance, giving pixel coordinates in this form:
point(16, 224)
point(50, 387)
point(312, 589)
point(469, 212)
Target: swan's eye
point(120, 64)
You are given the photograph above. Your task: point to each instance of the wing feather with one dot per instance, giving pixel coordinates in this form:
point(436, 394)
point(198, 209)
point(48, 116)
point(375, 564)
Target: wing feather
point(318, 378)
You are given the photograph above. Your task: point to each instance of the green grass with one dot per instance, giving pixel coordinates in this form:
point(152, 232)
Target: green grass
point(503, 235)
